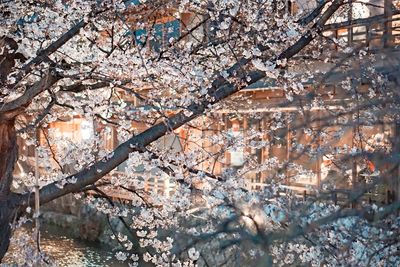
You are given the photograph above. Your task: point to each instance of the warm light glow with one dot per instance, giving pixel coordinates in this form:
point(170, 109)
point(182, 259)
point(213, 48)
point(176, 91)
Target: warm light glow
point(87, 130)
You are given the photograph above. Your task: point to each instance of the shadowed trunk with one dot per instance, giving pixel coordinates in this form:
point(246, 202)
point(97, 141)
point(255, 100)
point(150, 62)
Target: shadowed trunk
point(8, 156)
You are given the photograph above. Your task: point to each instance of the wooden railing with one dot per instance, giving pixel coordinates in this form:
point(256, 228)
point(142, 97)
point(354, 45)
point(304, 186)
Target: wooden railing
point(374, 33)
point(380, 195)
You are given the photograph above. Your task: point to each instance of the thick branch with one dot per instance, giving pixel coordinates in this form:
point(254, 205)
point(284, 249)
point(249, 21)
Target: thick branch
point(313, 15)
point(310, 35)
point(43, 54)
point(21, 102)
point(79, 87)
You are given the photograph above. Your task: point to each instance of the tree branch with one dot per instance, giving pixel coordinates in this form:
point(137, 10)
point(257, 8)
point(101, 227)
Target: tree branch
point(16, 106)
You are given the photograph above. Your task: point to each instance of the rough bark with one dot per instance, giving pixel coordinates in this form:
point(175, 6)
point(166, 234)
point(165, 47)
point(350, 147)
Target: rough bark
point(8, 156)
point(6, 216)
point(8, 112)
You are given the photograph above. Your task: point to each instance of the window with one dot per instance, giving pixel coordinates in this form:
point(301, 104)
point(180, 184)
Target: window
point(160, 35)
point(237, 158)
point(132, 2)
point(86, 129)
point(76, 130)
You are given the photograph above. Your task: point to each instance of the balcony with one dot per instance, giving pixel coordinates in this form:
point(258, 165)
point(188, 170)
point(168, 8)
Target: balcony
point(374, 33)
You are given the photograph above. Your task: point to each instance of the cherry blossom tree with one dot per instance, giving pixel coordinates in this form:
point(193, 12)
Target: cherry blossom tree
point(122, 67)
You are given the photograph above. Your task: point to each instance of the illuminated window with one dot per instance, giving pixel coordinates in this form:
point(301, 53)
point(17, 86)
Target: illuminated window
point(87, 130)
point(76, 129)
point(237, 152)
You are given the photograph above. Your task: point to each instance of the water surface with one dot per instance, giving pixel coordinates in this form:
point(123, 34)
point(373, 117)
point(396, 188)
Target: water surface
point(68, 251)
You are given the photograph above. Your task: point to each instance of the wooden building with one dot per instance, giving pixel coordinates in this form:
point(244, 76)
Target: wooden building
point(300, 150)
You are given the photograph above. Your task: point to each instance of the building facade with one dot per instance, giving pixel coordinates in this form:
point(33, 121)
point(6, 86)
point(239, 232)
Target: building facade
point(267, 136)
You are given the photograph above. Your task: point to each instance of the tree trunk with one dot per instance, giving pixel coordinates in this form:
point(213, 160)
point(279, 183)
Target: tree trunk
point(8, 156)
point(6, 215)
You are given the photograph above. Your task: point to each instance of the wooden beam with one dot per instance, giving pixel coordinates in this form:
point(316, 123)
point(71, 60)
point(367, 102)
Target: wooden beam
point(388, 13)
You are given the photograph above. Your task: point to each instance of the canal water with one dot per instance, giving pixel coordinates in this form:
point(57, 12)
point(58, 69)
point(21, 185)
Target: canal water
point(67, 251)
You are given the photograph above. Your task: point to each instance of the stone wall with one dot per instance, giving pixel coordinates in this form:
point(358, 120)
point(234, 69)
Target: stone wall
point(80, 220)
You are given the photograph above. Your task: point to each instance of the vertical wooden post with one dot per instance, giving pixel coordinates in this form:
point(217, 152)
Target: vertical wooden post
point(202, 140)
point(37, 206)
point(387, 33)
point(334, 198)
point(350, 29)
point(287, 7)
point(258, 151)
point(227, 124)
point(288, 137)
point(245, 129)
point(396, 173)
point(336, 32)
point(319, 156)
point(217, 148)
point(245, 126)
point(388, 197)
point(264, 150)
point(354, 167)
